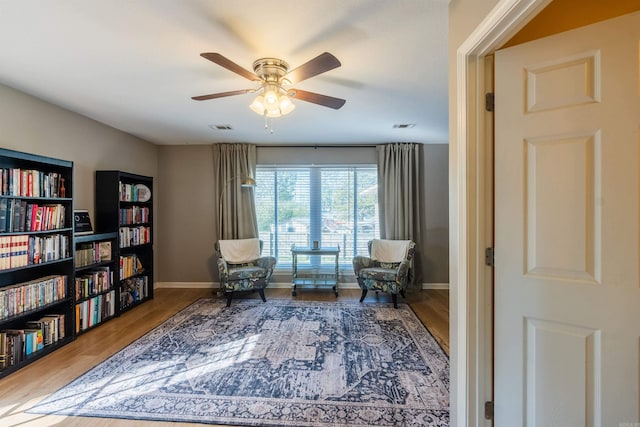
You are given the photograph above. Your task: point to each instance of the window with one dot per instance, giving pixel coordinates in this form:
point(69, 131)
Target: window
point(334, 205)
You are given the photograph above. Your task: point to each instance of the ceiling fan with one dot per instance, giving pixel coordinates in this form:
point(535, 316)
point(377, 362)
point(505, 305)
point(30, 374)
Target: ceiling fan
point(275, 80)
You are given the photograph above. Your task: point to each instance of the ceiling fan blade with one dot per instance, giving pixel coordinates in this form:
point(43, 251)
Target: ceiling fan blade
point(316, 98)
point(318, 65)
point(222, 94)
point(230, 65)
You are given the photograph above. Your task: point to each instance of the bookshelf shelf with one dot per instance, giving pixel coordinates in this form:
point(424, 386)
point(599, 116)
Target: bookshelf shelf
point(29, 313)
point(124, 205)
point(95, 280)
point(93, 266)
point(36, 264)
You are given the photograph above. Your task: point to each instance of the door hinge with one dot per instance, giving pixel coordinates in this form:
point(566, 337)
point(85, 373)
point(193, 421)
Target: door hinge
point(488, 410)
point(489, 257)
point(490, 101)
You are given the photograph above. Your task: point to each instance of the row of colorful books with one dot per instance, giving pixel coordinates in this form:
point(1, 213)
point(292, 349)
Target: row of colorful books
point(18, 215)
point(92, 253)
point(95, 310)
point(31, 183)
point(21, 250)
point(134, 215)
point(16, 345)
point(98, 280)
point(134, 192)
point(133, 236)
point(23, 297)
point(130, 265)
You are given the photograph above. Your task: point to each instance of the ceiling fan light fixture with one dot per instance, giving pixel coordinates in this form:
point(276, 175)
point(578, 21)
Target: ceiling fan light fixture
point(258, 105)
point(273, 102)
point(271, 95)
point(286, 106)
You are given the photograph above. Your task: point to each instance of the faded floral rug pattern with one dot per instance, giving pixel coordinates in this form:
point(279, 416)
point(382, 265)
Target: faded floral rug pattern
point(280, 363)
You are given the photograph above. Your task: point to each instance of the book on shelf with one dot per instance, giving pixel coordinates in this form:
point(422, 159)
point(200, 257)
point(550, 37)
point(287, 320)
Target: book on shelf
point(94, 311)
point(92, 253)
point(134, 215)
point(104, 249)
point(21, 250)
point(31, 183)
point(133, 289)
point(3, 215)
point(14, 251)
point(92, 283)
point(130, 265)
point(22, 297)
point(36, 326)
point(134, 236)
point(18, 215)
point(17, 344)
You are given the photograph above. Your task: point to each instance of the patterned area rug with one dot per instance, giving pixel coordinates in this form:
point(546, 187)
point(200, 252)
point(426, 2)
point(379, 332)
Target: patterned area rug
point(280, 363)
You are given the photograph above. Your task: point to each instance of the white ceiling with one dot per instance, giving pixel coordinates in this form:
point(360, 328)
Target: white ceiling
point(135, 64)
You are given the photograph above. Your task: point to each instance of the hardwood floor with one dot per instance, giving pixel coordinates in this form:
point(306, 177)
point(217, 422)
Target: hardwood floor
point(26, 387)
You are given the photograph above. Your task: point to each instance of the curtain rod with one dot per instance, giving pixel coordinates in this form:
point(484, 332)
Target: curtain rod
point(316, 146)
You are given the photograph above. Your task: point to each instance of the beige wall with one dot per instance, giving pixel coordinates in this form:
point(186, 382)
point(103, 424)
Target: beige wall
point(34, 126)
point(188, 206)
point(435, 221)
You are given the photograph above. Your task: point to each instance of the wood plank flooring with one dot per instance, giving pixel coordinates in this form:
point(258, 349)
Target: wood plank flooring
point(26, 387)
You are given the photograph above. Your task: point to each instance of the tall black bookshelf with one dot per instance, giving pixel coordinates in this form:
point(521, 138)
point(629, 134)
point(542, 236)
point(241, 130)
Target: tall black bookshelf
point(36, 262)
point(124, 204)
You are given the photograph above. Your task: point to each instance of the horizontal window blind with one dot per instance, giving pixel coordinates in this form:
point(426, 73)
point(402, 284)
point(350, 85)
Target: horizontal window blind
point(337, 206)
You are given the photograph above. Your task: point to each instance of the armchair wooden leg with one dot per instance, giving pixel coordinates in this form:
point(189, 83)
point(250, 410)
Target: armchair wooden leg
point(364, 294)
point(394, 298)
point(402, 293)
point(229, 297)
point(261, 292)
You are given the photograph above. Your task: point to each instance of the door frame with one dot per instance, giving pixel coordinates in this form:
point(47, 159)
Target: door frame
point(472, 208)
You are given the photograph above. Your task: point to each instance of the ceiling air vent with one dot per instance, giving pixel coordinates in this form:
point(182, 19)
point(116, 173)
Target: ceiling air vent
point(221, 127)
point(404, 126)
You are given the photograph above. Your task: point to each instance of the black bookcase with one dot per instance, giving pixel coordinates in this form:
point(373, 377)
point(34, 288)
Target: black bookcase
point(36, 262)
point(95, 286)
point(124, 204)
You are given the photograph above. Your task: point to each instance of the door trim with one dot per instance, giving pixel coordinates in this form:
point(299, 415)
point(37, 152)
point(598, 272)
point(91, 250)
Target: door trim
point(471, 376)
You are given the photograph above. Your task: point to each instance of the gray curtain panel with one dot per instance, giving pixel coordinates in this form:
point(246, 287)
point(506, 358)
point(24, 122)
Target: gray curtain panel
point(399, 195)
point(236, 215)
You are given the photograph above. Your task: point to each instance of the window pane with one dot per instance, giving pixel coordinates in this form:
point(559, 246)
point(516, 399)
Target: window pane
point(335, 205)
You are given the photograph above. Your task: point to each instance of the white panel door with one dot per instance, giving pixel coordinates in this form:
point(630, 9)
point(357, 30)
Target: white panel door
point(567, 282)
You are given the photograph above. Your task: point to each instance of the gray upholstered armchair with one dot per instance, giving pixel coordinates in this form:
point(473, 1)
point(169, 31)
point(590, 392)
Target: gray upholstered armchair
point(241, 268)
point(387, 269)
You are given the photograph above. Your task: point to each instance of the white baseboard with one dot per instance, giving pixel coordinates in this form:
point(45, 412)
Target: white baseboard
point(279, 285)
